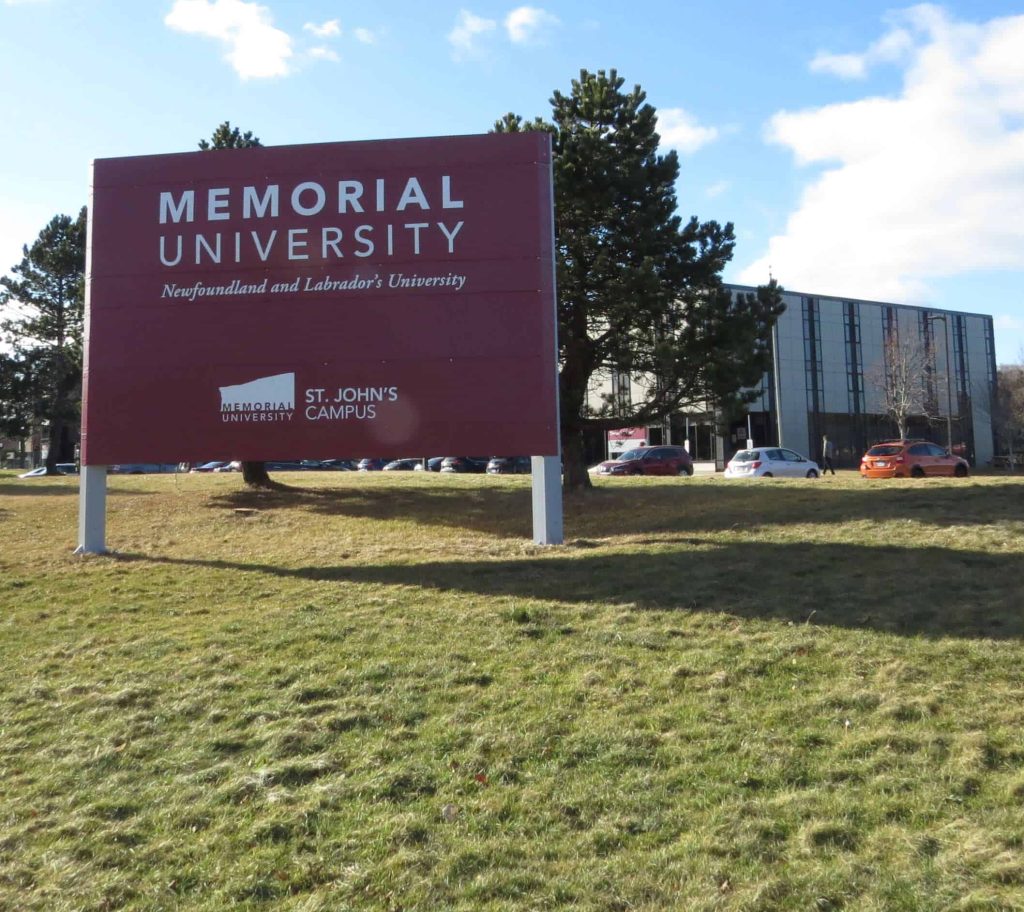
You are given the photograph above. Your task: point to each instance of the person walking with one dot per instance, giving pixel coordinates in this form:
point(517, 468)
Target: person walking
point(828, 452)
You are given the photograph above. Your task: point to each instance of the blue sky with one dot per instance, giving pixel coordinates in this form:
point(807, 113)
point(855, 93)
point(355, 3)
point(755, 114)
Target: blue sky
point(867, 149)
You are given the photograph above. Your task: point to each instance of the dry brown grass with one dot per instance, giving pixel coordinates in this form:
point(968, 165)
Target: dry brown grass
point(376, 693)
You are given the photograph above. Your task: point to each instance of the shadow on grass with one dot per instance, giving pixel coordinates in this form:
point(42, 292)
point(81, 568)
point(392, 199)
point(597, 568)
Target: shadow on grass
point(502, 512)
point(55, 489)
point(638, 507)
point(932, 592)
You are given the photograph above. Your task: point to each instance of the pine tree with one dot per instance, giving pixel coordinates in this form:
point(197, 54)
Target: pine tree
point(639, 290)
point(46, 293)
point(228, 137)
point(225, 136)
point(16, 398)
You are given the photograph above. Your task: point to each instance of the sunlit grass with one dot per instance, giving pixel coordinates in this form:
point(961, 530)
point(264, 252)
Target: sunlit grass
point(376, 693)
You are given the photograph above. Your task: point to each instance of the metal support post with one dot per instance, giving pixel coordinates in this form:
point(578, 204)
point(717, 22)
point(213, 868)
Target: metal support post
point(92, 510)
point(547, 470)
point(547, 500)
point(776, 364)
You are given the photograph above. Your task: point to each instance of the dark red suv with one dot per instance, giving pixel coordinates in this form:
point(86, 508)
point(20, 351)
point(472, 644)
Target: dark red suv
point(655, 460)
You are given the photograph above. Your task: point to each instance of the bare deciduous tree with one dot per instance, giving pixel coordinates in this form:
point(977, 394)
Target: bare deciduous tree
point(1008, 409)
point(905, 378)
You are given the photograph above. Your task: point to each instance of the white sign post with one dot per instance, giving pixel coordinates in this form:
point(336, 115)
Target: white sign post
point(547, 500)
point(547, 470)
point(92, 510)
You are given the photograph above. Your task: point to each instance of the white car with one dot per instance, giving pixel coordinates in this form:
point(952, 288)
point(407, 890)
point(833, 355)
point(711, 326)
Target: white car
point(770, 462)
point(63, 468)
point(37, 473)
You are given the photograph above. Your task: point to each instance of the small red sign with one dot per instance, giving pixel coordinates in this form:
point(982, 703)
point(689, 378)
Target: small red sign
point(347, 299)
point(633, 433)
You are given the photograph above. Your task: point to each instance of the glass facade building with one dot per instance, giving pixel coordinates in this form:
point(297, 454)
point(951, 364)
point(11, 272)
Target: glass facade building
point(831, 365)
point(829, 375)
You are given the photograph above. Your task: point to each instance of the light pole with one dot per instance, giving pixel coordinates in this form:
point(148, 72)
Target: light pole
point(931, 318)
point(777, 384)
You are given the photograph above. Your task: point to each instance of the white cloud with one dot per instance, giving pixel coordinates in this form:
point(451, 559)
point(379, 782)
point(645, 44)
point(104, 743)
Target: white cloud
point(329, 29)
point(465, 36)
point(1008, 323)
point(529, 25)
point(324, 53)
point(923, 184)
point(679, 130)
point(845, 66)
point(255, 48)
point(365, 35)
point(892, 47)
point(718, 188)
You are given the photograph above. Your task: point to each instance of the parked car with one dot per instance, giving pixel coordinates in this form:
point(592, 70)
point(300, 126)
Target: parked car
point(433, 464)
point(371, 465)
point(476, 464)
point(771, 462)
point(403, 465)
point(338, 465)
point(209, 466)
point(62, 468)
point(510, 465)
point(41, 472)
point(655, 460)
point(143, 468)
point(911, 459)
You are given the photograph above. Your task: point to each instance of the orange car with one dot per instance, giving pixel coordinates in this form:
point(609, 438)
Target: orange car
point(910, 459)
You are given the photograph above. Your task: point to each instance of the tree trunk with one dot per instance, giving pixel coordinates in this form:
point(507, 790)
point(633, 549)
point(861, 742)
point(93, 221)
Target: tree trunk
point(67, 389)
point(53, 452)
point(254, 474)
point(574, 466)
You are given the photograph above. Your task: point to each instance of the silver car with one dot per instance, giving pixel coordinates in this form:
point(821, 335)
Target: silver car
point(770, 462)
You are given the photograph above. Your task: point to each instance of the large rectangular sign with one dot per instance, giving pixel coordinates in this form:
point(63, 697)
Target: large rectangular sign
point(383, 298)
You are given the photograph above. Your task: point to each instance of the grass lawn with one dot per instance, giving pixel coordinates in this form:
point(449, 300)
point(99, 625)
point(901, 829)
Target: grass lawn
point(374, 692)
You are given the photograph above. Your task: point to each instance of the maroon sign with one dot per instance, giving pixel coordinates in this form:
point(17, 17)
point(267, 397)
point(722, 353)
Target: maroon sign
point(384, 298)
point(632, 433)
